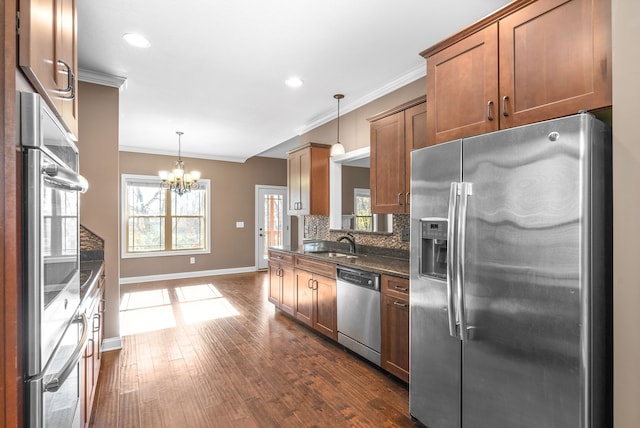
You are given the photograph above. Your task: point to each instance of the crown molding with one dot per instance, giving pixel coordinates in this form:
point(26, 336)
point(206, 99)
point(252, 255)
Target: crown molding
point(409, 77)
point(104, 79)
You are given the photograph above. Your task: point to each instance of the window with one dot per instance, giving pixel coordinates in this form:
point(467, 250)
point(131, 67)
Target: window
point(157, 221)
point(362, 210)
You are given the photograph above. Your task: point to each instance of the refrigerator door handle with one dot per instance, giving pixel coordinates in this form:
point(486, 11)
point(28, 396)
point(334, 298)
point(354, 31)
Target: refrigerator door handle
point(451, 243)
point(466, 189)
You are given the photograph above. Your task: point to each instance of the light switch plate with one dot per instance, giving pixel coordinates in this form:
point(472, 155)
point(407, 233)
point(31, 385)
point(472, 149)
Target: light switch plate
point(239, 224)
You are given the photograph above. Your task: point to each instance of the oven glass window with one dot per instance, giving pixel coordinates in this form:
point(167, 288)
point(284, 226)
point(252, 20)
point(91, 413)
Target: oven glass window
point(59, 240)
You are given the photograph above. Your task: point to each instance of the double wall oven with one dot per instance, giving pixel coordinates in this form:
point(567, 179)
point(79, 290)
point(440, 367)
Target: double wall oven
point(54, 334)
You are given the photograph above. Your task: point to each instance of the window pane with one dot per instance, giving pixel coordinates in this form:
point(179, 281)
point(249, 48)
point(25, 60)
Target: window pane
point(188, 233)
point(145, 199)
point(189, 204)
point(146, 234)
point(273, 219)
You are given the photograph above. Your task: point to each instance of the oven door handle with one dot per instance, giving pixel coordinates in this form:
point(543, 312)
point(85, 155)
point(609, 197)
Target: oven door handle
point(64, 178)
point(54, 384)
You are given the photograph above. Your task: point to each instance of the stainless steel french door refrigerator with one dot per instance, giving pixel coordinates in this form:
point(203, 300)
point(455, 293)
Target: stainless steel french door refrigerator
point(511, 278)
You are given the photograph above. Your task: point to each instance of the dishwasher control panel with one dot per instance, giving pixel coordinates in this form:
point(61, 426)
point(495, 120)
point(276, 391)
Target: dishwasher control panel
point(359, 277)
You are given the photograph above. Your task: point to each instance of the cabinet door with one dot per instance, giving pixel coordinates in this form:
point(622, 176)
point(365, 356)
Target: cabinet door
point(555, 59)
point(415, 133)
point(303, 297)
point(325, 306)
point(287, 289)
point(388, 164)
point(37, 48)
point(305, 182)
point(66, 51)
point(48, 36)
point(395, 336)
point(293, 183)
point(274, 283)
point(462, 88)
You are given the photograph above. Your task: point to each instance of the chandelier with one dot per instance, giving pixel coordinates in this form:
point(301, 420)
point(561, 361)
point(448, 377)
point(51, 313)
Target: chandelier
point(178, 179)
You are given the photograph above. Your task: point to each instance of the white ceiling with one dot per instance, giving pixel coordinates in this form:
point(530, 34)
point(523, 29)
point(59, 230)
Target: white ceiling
point(216, 69)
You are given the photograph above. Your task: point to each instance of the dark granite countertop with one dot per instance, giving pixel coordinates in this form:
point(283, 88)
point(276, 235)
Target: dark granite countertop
point(367, 261)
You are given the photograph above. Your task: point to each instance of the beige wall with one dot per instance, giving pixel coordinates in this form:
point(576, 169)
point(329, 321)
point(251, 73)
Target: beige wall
point(98, 145)
point(352, 177)
point(626, 209)
point(354, 127)
point(232, 200)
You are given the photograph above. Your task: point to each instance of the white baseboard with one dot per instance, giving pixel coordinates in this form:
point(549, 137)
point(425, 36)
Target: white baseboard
point(111, 344)
point(180, 275)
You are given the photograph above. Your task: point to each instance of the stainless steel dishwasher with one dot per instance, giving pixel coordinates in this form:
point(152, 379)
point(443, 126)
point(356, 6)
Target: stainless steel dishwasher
point(358, 315)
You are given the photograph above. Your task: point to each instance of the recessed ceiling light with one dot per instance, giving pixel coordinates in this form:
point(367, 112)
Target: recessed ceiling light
point(136, 40)
point(293, 82)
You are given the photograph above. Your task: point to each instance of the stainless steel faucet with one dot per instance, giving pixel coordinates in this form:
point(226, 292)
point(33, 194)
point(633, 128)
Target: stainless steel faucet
point(352, 241)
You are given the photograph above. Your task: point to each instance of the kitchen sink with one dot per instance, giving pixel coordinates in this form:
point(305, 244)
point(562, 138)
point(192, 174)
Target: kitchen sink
point(346, 256)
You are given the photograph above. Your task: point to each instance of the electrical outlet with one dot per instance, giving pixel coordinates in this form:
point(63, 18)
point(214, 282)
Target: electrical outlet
point(192, 260)
point(405, 235)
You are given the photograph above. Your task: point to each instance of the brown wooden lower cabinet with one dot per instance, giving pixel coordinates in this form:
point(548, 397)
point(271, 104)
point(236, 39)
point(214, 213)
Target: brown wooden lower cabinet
point(315, 303)
point(313, 290)
point(395, 326)
point(281, 281)
point(90, 364)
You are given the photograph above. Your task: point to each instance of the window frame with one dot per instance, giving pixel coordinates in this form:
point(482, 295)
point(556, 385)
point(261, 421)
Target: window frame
point(124, 239)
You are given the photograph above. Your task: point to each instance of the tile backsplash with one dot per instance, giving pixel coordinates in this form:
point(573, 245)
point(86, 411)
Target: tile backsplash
point(317, 227)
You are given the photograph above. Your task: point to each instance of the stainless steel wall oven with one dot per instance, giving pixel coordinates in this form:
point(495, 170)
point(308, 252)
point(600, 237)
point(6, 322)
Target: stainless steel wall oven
point(54, 335)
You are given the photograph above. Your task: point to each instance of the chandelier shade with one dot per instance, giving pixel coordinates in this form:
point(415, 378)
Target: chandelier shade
point(178, 179)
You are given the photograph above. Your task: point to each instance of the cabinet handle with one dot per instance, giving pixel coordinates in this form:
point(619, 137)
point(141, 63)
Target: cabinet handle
point(71, 81)
point(490, 111)
point(397, 287)
point(400, 304)
point(89, 346)
point(309, 284)
point(99, 318)
point(315, 281)
point(505, 113)
point(399, 200)
point(407, 198)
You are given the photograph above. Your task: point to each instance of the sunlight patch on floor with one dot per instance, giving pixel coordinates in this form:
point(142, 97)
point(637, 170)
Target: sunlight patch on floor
point(204, 310)
point(144, 299)
point(134, 321)
point(150, 310)
point(190, 293)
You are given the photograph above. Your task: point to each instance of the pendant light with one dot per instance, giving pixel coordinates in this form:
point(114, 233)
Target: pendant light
point(179, 180)
point(338, 148)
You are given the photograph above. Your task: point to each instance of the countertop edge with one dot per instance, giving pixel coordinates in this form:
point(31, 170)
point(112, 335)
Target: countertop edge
point(373, 263)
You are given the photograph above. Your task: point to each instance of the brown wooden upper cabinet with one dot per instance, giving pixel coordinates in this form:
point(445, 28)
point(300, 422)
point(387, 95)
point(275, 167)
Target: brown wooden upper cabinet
point(48, 54)
point(529, 61)
point(308, 180)
point(394, 133)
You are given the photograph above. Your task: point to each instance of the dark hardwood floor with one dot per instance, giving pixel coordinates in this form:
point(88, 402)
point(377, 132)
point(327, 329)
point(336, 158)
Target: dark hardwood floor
point(212, 352)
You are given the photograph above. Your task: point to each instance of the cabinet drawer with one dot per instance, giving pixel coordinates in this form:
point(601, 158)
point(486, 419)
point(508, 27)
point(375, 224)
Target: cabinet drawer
point(394, 285)
point(316, 266)
point(278, 256)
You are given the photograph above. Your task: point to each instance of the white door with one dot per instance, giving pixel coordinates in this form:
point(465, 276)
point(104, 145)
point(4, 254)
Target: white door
point(272, 223)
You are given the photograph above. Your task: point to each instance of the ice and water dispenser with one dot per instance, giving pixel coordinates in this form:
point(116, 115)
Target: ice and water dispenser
point(433, 247)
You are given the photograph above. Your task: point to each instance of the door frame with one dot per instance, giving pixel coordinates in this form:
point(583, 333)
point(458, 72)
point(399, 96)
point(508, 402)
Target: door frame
point(286, 238)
